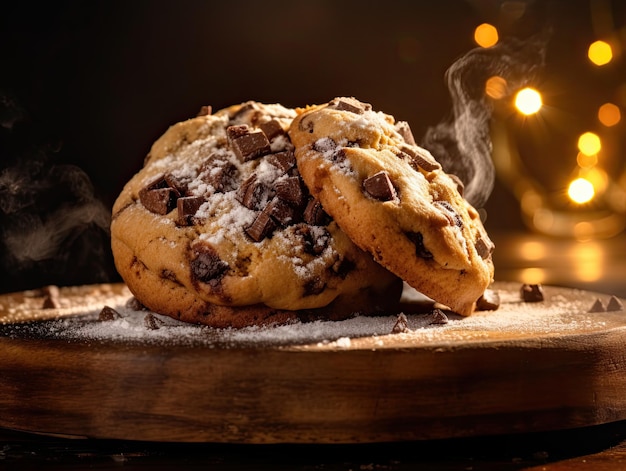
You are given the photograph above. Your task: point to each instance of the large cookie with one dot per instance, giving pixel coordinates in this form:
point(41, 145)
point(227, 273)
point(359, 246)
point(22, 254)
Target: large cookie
point(218, 228)
point(394, 200)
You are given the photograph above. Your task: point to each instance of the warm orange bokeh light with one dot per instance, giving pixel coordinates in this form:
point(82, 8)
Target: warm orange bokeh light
point(581, 191)
point(528, 101)
point(486, 35)
point(609, 114)
point(495, 87)
point(589, 143)
point(600, 53)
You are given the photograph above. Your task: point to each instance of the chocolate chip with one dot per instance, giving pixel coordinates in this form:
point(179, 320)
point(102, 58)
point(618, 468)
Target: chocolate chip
point(272, 129)
point(438, 317)
point(418, 240)
point(177, 183)
point(324, 145)
point(448, 210)
point(489, 301)
point(532, 293)
point(134, 304)
point(379, 186)
point(219, 173)
point(284, 161)
point(246, 144)
point(484, 247)
point(314, 239)
point(152, 323)
point(205, 110)
point(404, 130)
point(290, 190)
point(108, 314)
point(282, 212)
point(349, 104)
point(262, 226)
point(614, 304)
point(252, 193)
point(206, 265)
point(597, 306)
point(314, 214)
point(314, 286)
point(187, 208)
point(402, 325)
point(158, 197)
point(420, 158)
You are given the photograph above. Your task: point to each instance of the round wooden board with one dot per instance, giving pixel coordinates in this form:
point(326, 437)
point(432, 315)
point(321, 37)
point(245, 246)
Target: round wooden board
point(525, 367)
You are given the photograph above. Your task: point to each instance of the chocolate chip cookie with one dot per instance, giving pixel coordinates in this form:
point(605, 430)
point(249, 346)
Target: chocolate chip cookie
point(218, 228)
point(394, 200)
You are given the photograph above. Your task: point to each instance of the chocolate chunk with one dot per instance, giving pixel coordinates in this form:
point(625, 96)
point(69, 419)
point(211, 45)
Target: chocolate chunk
point(159, 197)
point(108, 314)
point(252, 193)
point(459, 183)
point(205, 110)
point(314, 239)
point(179, 184)
point(402, 325)
point(284, 161)
point(206, 265)
point(404, 130)
point(484, 247)
point(597, 306)
point(421, 158)
point(272, 129)
point(438, 317)
point(314, 214)
point(614, 304)
point(489, 301)
point(282, 212)
point(314, 286)
point(453, 217)
point(418, 239)
point(290, 190)
point(262, 226)
point(152, 323)
point(379, 186)
point(349, 104)
point(134, 304)
point(246, 144)
point(218, 172)
point(187, 208)
point(532, 293)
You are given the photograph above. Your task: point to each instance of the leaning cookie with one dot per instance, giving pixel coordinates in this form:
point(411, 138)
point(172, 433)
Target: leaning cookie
point(218, 228)
point(394, 200)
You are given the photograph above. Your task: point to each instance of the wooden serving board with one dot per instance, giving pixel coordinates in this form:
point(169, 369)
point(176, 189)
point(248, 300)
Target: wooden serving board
point(525, 367)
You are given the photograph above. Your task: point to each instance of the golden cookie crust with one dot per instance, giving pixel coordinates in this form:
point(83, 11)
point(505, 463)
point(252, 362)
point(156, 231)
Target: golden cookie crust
point(393, 200)
point(187, 240)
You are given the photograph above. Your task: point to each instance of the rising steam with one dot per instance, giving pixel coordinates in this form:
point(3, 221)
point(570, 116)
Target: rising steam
point(462, 143)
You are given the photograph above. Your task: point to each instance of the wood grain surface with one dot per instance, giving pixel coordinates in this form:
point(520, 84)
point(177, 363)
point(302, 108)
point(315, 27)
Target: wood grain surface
point(380, 388)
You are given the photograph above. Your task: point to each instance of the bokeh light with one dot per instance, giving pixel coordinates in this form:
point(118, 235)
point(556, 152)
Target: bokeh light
point(580, 191)
point(495, 87)
point(609, 114)
point(589, 143)
point(586, 161)
point(528, 101)
point(486, 35)
point(600, 53)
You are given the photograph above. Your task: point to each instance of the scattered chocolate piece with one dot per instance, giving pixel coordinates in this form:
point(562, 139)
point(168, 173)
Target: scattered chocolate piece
point(404, 130)
point(262, 226)
point(379, 186)
point(401, 326)
point(489, 301)
point(418, 240)
point(420, 158)
point(159, 197)
point(282, 212)
point(532, 293)
point(219, 173)
point(484, 248)
point(439, 317)
point(272, 129)
point(246, 144)
point(349, 104)
point(314, 214)
point(597, 306)
point(152, 323)
point(206, 265)
point(187, 208)
point(108, 314)
point(251, 192)
point(205, 110)
point(614, 304)
point(134, 304)
point(446, 208)
point(290, 190)
point(284, 161)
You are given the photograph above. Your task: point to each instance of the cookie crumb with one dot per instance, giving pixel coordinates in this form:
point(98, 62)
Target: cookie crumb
point(614, 304)
point(402, 325)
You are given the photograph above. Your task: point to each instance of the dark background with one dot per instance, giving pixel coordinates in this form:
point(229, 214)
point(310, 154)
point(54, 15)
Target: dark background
point(86, 87)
